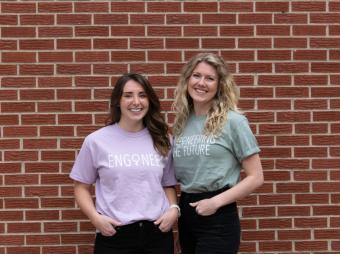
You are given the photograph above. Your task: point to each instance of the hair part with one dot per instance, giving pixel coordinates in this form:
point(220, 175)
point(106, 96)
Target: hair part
point(226, 97)
point(153, 120)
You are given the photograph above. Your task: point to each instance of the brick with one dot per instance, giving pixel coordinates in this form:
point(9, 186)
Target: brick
point(23, 227)
point(274, 80)
point(60, 249)
point(90, 56)
point(11, 239)
point(200, 7)
point(54, 7)
point(42, 215)
point(37, 44)
point(20, 131)
point(41, 167)
point(22, 57)
point(60, 227)
point(127, 7)
point(325, 163)
point(290, 92)
point(23, 250)
point(86, 31)
point(110, 19)
point(124, 56)
point(311, 245)
point(163, 7)
point(182, 19)
point(7, 192)
point(91, 7)
point(109, 69)
point(40, 143)
point(236, 6)
point(8, 95)
point(53, 57)
point(294, 234)
point(36, 69)
point(325, 18)
point(271, 7)
point(18, 7)
point(54, 82)
point(36, 20)
point(292, 140)
point(255, 18)
point(292, 187)
point(255, 67)
point(73, 19)
point(311, 30)
point(258, 235)
point(202, 31)
point(73, 69)
point(209, 43)
point(291, 18)
point(46, 239)
point(219, 19)
point(279, 30)
point(50, 131)
point(40, 94)
point(276, 199)
point(147, 19)
point(73, 44)
point(182, 43)
point(274, 104)
point(274, 55)
point(276, 246)
point(74, 119)
point(254, 43)
point(8, 69)
point(310, 55)
point(9, 144)
point(236, 30)
point(57, 202)
point(55, 32)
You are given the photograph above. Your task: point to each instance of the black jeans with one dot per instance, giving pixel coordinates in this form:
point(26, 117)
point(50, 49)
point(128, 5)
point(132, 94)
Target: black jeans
point(218, 233)
point(141, 237)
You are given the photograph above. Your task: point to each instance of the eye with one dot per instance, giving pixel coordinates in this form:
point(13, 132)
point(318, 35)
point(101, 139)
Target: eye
point(196, 75)
point(210, 78)
point(143, 95)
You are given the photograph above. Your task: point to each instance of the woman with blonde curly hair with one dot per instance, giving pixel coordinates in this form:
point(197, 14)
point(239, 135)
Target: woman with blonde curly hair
point(213, 143)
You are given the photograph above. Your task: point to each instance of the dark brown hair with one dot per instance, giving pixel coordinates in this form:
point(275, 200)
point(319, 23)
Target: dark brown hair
point(153, 120)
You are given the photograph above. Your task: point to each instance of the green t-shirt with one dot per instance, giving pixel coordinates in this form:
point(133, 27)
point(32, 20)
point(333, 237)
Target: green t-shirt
point(205, 163)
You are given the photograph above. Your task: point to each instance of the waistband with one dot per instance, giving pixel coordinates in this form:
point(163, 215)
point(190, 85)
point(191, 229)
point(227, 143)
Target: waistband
point(136, 225)
point(203, 195)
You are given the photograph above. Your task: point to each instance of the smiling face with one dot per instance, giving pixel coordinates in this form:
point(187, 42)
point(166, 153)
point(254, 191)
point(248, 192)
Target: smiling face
point(202, 87)
point(134, 105)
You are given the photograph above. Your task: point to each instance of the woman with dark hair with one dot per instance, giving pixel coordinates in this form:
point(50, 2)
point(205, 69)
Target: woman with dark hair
point(130, 162)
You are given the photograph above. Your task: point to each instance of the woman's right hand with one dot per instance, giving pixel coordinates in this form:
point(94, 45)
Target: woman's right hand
point(105, 224)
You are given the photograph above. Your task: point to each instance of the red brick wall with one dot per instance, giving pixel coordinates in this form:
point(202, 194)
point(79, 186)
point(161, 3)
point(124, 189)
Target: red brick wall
point(59, 61)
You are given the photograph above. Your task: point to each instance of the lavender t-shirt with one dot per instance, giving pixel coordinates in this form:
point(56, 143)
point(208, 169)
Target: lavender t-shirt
point(129, 174)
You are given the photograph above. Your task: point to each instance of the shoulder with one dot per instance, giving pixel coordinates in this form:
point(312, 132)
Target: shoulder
point(234, 118)
point(102, 132)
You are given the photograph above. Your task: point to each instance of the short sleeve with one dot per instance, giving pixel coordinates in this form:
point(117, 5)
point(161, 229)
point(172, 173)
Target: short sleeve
point(168, 178)
point(244, 141)
point(83, 169)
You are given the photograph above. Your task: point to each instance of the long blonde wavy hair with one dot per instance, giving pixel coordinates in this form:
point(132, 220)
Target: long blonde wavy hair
point(226, 97)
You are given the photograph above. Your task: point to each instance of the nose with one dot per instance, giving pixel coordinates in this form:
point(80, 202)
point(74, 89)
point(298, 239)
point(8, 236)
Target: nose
point(136, 100)
point(201, 81)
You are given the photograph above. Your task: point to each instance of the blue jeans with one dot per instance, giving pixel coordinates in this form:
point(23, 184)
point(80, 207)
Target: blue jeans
point(218, 233)
point(142, 237)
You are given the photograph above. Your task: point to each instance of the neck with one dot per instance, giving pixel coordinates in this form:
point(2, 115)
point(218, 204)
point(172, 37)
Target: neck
point(131, 127)
point(201, 109)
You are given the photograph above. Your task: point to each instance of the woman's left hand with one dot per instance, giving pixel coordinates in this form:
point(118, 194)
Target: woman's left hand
point(167, 220)
point(205, 207)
